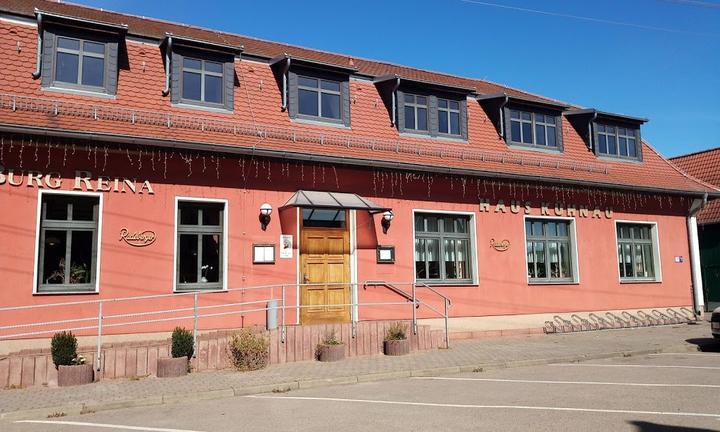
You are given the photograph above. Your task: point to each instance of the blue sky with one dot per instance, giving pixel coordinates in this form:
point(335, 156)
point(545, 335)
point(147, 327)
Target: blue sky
point(658, 59)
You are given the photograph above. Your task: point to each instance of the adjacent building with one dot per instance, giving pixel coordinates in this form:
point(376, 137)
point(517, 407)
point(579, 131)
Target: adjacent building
point(142, 158)
point(705, 165)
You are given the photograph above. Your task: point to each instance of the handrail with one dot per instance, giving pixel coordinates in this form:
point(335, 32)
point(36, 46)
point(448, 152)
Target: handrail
point(193, 311)
point(424, 285)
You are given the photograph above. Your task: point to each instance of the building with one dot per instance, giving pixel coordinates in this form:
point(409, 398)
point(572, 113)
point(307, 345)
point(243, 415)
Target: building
point(705, 165)
point(142, 158)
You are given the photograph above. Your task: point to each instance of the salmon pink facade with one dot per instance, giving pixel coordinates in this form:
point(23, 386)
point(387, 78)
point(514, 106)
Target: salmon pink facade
point(173, 161)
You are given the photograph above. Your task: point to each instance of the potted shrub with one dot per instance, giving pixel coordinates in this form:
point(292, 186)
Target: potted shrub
point(396, 342)
point(182, 349)
point(249, 351)
point(330, 349)
point(72, 368)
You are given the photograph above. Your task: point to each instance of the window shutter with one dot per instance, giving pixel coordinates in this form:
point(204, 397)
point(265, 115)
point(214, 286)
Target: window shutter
point(292, 96)
point(400, 117)
point(111, 68)
point(463, 119)
point(346, 102)
point(506, 126)
point(175, 76)
point(559, 132)
point(229, 77)
point(638, 144)
point(433, 115)
point(592, 135)
point(48, 58)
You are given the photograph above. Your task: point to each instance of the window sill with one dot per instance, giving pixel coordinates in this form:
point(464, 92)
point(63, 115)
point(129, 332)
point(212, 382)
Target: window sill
point(535, 148)
point(469, 284)
point(318, 122)
point(199, 107)
point(639, 281)
point(69, 292)
point(445, 138)
point(566, 282)
point(80, 92)
point(199, 290)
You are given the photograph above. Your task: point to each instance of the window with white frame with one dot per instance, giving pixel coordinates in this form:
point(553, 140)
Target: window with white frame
point(199, 256)
point(636, 251)
point(549, 250)
point(443, 248)
point(68, 243)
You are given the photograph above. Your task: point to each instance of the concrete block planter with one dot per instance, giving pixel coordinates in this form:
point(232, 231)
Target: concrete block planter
point(330, 353)
point(396, 347)
point(172, 367)
point(75, 375)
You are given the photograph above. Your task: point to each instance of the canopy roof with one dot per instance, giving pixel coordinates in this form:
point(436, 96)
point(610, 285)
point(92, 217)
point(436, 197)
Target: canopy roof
point(333, 200)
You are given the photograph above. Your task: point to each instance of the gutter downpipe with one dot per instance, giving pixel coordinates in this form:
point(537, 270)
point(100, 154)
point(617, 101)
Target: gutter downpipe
point(285, 71)
point(394, 101)
point(38, 60)
point(502, 116)
point(168, 66)
point(697, 284)
point(591, 133)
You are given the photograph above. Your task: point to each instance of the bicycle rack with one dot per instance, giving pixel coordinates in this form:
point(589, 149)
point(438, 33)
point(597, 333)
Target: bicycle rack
point(650, 321)
point(620, 322)
point(688, 314)
point(632, 319)
point(582, 323)
point(550, 327)
point(661, 317)
point(564, 324)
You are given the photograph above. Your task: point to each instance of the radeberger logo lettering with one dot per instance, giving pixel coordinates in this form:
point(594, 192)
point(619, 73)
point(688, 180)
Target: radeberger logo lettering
point(500, 245)
point(138, 238)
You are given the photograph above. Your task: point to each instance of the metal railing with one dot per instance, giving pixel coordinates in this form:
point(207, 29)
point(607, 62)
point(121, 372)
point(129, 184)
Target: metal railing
point(102, 319)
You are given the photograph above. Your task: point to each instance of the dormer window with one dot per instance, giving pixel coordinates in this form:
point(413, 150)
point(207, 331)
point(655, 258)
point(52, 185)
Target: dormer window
point(416, 113)
point(78, 55)
point(531, 128)
point(616, 141)
point(319, 98)
point(449, 117)
point(199, 74)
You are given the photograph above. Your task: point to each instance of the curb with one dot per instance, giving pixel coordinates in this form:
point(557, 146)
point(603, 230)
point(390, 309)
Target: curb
point(283, 387)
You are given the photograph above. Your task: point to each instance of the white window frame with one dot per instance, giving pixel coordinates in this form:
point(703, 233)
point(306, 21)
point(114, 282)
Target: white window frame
point(38, 216)
point(474, 277)
point(573, 244)
point(226, 246)
point(655, 237)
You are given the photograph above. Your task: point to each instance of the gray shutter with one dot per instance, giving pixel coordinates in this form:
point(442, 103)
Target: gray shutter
point(48, 58)
point(559, 132)
point(506, 127)
point(463, 119)
point(292, 96)
point(175, 76)
point(638, 144)
point(111, 68)
point(592, 134)
point(433, 115)
point(229, 77)
point(400, 104)
point(346, 102)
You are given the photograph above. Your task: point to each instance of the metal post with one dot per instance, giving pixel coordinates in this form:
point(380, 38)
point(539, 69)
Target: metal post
point(282, 317)
point(414, 307)
point(447, 335)
point(99, 336)
point(195, 324)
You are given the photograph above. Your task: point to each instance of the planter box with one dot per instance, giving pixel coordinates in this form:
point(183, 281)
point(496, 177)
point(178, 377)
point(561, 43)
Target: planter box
point(172, 367)
point(330, 353)
point(396, 347)
point(75, 375)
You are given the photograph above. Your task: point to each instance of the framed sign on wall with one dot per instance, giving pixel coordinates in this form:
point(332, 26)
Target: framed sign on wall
point(386, 254)
point(263, 253)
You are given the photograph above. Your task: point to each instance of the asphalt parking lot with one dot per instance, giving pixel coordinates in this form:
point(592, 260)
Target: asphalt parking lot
point(663, 392)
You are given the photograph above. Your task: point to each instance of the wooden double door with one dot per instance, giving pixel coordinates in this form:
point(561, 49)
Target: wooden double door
point(325, 274)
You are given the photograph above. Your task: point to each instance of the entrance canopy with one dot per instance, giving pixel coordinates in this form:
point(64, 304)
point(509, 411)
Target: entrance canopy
point(333, 200)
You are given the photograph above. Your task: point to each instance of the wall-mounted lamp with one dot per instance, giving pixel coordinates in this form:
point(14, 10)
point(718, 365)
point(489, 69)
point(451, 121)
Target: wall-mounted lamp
point(387, 217)
point(265, 212)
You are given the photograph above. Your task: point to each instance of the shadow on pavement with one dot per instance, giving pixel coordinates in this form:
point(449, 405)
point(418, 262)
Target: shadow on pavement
point(706, 344)
point(643, 426)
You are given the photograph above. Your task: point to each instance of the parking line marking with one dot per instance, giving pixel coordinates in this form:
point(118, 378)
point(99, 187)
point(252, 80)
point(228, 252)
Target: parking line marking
point(634, 365)
point(104, 425)
point(569, 382)
point(507, 407)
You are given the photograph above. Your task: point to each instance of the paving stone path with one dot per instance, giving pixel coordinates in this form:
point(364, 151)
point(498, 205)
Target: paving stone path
point(462, 356)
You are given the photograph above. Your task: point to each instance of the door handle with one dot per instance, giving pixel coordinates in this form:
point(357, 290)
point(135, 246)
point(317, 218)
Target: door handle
point(305, 279)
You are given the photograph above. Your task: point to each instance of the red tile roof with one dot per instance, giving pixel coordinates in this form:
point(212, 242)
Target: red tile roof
point(258, 123)
point(704, 165)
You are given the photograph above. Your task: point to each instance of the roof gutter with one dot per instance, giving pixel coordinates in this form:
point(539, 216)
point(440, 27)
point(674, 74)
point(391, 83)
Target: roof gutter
point(38, 59)
point(168, 60)
point(695, 270)
point(235, 149)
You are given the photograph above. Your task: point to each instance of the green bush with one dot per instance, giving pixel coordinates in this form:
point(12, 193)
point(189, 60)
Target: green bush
point(249, 351)
point(396, 331)
point(182, 343)
point(331, 339)
point(63, 348)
